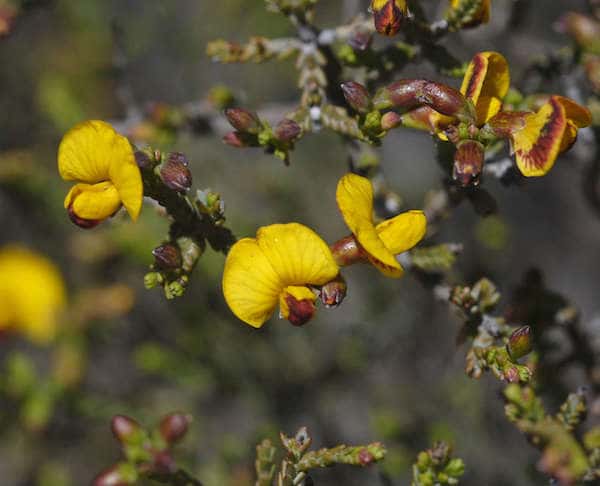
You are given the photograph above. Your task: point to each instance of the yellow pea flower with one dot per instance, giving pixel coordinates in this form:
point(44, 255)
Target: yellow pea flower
point(377, 243)
point(279, 266)
point(102, 162)
point(388, 15)
point(538, 138)
point(32, 294)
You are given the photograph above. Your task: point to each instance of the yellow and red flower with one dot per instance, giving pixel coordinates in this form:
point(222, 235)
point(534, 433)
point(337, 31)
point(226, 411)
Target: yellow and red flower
point(32, 294)
point(103, 164)
point(281, 266)
point(379, 244)
point(388, 15)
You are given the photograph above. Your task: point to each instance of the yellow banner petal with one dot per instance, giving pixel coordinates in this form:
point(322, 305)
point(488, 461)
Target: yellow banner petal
point(297, 254)
point(250, 285)
point(402, 232)
point(87, 151)
point(538, 144)
point(93, 201)
point(486, 83)
point(355, 199)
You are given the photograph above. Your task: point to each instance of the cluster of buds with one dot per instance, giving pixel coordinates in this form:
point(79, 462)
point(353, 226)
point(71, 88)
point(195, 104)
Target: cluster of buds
point(147, 452)
point(436, 466)
point(251, 131)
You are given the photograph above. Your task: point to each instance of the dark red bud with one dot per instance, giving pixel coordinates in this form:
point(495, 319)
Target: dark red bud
point(175, 172)
point(520, 342)
point(388, 18)
point(110, 477)
point(163, 463)
point(468, 162)
point(512, 375)
point(174, 426)
point(360, 40)
point(365, 457)
point(81, 222)
point(334, 292)
point(240, 140)
point(287, 130)
point(167, 256)
point(243, 120)
point(300, 311)
point(124, 428)
point(347, 251)
point(356, 96)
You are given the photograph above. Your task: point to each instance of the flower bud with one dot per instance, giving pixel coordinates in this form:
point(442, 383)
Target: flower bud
point(520, 343)
point(119, 475)
point(175, 172)
point(388, 15)
point(81, 222)
point(356, 96)
point(239, 139)
point(347, 251)
point(287, 130)
point(174, 426)
point(124, 428)
point(468, 162)
point(391, 120)
point(360, 39)
point(365, 457)
point(334, 292)
point(167, 256)
point(243, 120)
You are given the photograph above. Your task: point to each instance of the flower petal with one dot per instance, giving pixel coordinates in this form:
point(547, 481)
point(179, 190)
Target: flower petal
point(250, 285)
point(538, 144)
point(355, 199)
point(486, 83)
point(297, 254)
point(297, 304)
point(87, 150)
point(93, 201)
point(402, 232)
point(126, 177)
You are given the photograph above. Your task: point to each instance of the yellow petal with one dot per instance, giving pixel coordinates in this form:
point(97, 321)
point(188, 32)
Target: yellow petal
point(35, 290)
point(402, 232)
point(126, 177)
point(577, 117)
point(250, 285)
point(538, 144)
point(486, 83)
point(297, 254)
point(87, 151)
point(355, 200)
point(93, 201)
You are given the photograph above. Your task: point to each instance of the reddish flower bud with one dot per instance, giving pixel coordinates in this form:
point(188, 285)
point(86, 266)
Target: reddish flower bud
point(365, 457)
point(520, 343)
point(356, 96)
point(243, 120)
point(334, 292)
point(388, 15)
point(167, 256)
point(360, 39)
point(82, 223)
point(468, 162)
point(239, 139)
point(174, 426)
point(175, 172)
point(347, 251)
point(391, 120)
point(287, 130)
point(124, 428)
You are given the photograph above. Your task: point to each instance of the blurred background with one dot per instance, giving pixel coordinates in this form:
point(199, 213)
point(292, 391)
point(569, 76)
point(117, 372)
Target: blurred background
point(384, 366)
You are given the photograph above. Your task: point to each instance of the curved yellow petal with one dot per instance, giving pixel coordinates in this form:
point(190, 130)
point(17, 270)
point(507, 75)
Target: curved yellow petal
point(127, 179)
point(250, 285)
point(93, 201)
point(486, 83)
point(35, 291)
point(297, 254)
point(402, 232)
point(538, 144)
point(355, 199)
point(579, 115)
point(87, 151)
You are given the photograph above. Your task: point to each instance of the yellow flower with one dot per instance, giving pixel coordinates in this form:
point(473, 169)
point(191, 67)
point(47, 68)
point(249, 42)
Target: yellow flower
point(480, 16)
point(380, 243)
point(538, 138)
point(32, 294)
point(102, 162)
point(278, 266)
point(388, 15)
